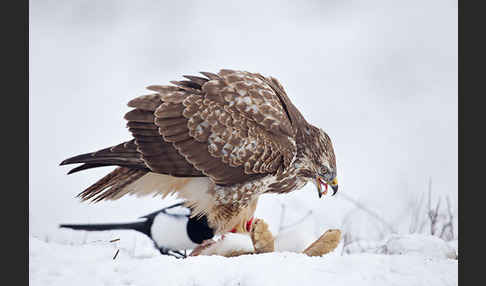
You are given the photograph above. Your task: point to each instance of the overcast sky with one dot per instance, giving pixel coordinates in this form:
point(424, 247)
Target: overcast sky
point(380, 77)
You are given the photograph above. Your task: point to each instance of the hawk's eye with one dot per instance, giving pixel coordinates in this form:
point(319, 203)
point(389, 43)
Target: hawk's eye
point(325, 174)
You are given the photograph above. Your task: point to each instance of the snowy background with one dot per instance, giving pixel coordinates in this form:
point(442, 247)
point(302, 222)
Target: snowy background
point(379, 76)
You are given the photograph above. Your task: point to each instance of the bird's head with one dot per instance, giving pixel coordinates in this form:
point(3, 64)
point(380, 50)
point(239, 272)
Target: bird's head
point(322, 161)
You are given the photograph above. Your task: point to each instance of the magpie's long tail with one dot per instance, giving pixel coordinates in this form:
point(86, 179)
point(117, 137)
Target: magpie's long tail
point(142, 226)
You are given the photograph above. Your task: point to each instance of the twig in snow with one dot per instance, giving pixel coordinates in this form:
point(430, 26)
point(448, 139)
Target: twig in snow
point(282, 215)
point(116, 254)
point(416, 225)
point(432, 213)
point(448, 225)
point(435, 217)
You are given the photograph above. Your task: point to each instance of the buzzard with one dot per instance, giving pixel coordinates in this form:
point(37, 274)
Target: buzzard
point(218, 142)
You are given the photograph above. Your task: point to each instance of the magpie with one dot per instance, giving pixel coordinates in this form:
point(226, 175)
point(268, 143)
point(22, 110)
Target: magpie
point(172, 229)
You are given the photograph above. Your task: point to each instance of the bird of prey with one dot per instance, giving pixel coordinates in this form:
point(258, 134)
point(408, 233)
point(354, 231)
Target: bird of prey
point(218, 142)
point(171, 229)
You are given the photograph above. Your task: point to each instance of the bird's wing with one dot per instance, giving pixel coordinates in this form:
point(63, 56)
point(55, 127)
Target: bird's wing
point(158, 155)
point(231, 126)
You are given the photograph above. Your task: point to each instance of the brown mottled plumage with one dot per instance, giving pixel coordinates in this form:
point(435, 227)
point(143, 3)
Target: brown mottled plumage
point(218, 141)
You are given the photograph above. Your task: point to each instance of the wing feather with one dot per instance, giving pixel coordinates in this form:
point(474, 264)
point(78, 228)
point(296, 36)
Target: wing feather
point(237, 127)
point(233, 126)
point(159, 155)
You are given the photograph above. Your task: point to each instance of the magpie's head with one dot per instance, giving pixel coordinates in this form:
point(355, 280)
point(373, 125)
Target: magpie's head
point(198, 229)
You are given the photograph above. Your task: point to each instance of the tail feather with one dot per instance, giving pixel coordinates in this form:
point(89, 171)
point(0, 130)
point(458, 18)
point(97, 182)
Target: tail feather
point(108, 186)
point(86, 166)
point(124, 154)
point(143, 226)
point(122, 182)
point(131, 167)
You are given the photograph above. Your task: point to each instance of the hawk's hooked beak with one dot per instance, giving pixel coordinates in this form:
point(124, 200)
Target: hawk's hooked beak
point(320, 182)
point(334, 186)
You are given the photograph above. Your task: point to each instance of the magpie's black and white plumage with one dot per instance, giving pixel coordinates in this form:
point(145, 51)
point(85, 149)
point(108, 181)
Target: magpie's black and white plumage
point(171, 229)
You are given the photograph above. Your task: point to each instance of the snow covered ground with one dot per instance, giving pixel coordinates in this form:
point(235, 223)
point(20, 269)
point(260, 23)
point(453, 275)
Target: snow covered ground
point(53, 263)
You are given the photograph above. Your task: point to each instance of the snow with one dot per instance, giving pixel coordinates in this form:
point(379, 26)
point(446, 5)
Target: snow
point(454, 244)
point(93, 264)
point(407, 244)
point(418, 244)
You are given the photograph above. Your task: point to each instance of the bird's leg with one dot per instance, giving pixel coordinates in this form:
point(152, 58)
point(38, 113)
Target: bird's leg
point(324, 244)
point(177, 254)
point(171, 252)
point(262, 238)
point(164, 251)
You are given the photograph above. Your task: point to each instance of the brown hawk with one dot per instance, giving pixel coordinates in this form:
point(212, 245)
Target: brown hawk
point(217, 141)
